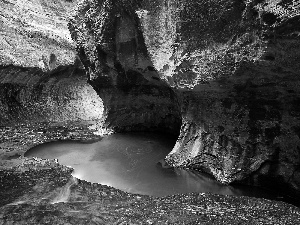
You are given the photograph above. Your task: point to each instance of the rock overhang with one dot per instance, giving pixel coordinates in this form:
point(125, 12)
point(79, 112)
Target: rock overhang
point(111, 46)
point(234, 65)
point(289, 124)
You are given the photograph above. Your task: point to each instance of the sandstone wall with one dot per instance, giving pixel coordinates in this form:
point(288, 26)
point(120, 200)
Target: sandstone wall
point(40, 78)
point(33, 29)
point(29, 95)
point(235, 65)
point(111, 46)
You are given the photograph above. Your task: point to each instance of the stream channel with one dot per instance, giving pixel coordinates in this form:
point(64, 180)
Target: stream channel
point(129, 162)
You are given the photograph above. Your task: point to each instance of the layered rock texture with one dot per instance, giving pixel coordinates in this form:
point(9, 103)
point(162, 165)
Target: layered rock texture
point(227, 70)
point(31, 30)
point(234, 64)
point(241, 114)
point(41, 80)
point(33, 184)
point(30, 95)
point(111, 46)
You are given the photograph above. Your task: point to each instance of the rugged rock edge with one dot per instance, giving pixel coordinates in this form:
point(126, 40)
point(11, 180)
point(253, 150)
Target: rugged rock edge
point(38, 182)
point(236, 70)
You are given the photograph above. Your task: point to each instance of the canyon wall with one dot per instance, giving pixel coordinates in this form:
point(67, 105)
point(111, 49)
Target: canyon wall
point(111, 47)
point(41, 80)
point(228, 71)
point(234, 66)
point(29, 95)
point(32, 30)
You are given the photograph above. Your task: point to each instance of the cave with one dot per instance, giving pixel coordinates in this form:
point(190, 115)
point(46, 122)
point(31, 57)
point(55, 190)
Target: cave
point(146, 112)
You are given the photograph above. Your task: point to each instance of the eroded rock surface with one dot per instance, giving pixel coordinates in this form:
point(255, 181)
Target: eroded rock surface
point(41, 79)
point(31, 95)
point(235, 65)
point(32, 30)
point(110, 45)
point(33, 185)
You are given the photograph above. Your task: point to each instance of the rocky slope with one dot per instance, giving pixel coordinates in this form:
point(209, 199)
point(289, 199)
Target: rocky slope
point(235, 65)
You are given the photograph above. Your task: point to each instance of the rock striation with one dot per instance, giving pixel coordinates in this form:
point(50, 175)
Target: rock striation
point(34, 184)
point(240, 64)
point(29, 95)
point(41, 79)
point(111, 47)
point(32, 30)
point(234, 65)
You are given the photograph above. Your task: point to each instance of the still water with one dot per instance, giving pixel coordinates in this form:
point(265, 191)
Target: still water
point(129, 162)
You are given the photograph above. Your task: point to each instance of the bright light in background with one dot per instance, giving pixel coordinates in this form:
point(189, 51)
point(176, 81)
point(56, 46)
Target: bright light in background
point(141, 13)
point(99, 129)
point(80, 176)
point(105, 183)
point(103, 132)
point(77, 175)
point(17, 203)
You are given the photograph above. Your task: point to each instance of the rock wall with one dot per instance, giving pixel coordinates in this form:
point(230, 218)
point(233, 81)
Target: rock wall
point(29, 95)
point(111, 46)
point(33, 29)
point(194, 42)
point(40, 77)
point(235, 65)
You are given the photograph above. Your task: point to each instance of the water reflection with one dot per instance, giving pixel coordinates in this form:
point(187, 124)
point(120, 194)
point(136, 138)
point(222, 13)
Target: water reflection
point(129, 162)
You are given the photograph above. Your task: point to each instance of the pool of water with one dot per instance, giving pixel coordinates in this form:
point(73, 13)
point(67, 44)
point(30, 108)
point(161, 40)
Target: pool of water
point(129, 162)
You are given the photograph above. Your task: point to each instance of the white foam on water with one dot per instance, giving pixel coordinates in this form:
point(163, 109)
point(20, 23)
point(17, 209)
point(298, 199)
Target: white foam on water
point(17, 203)
point(65, 192)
